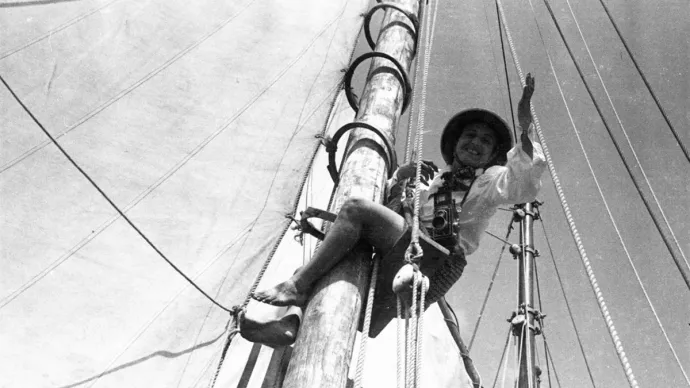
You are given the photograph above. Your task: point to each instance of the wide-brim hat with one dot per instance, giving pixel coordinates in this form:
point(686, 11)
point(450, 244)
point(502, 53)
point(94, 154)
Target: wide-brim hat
point(457, 124)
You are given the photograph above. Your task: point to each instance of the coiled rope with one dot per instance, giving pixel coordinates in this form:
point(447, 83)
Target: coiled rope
point(571, 221)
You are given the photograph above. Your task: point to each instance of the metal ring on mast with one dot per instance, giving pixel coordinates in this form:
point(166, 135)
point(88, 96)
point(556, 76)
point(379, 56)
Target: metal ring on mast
point(332, 148)
point(410, 16)
point(351, 71)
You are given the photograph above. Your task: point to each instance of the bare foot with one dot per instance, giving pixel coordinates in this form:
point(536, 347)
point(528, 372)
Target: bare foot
point(284, 294)
point(273, 333)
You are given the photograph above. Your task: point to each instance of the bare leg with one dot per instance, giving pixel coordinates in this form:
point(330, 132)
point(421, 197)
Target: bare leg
point(357, 219)
point(272, 332)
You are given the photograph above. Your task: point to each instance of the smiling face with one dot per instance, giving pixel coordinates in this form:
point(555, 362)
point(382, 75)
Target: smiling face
point(476, 145)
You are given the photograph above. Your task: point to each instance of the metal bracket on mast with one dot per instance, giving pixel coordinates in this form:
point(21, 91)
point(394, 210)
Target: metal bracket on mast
point(412, 17)
point(402, 77)
point(332, 147)
point(304, 226)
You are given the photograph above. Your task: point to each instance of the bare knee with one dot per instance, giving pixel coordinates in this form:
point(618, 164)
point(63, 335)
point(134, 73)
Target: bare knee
point(354, 208)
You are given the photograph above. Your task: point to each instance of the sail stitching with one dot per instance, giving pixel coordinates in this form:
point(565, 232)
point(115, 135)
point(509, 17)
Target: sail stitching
point(56, 29)
point(160, 181)
point(122, 93)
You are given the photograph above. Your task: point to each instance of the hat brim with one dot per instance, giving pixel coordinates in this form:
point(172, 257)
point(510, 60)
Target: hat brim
point(457, 124)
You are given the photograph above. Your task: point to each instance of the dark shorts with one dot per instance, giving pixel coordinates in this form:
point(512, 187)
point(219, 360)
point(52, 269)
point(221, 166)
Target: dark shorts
point(442, 269)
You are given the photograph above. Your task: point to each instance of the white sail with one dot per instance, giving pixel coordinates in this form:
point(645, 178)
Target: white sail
point(198, 119)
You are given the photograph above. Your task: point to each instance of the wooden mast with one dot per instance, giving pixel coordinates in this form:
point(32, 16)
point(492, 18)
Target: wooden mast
point(323, 349)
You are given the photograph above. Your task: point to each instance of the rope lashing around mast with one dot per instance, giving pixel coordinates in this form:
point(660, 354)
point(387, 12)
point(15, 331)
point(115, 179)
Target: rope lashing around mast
point(605, 202)
point(571, 222)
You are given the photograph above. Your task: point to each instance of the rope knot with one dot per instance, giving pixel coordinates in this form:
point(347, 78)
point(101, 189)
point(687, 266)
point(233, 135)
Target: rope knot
point(413, 253)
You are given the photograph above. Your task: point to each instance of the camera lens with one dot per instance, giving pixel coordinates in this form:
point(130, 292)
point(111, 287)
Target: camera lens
point(440, 220)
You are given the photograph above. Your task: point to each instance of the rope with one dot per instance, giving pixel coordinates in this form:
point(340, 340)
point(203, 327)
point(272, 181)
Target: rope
point(414, 242)
point(625, 133)
point(620, 153)
point(226, 346)
point(488, 291)
point(401, 344)
point(503, 356)
point(555, 373)
point(420, 329)
point(505, 68)
point(124, 92)
point(305, 177)
point(571, 222)
point(411, 340)
point(608, 210)
point(644, 79)
point(504, 241)
point(567, 303)
point(367, 323)
point(521, 340)
point(418, 66)
point(105, 196)
point(541, 320)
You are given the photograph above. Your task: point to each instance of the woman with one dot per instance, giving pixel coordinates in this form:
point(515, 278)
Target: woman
point(485, 172)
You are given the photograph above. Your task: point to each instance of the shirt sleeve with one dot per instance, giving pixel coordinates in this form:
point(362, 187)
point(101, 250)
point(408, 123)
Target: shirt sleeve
point(518, 181)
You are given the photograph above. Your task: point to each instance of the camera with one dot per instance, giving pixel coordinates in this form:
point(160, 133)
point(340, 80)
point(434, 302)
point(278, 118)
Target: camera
point(445, 223)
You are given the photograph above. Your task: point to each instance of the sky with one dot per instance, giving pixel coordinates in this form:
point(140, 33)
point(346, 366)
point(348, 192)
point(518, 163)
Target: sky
point(467, 71)
point(48, 207)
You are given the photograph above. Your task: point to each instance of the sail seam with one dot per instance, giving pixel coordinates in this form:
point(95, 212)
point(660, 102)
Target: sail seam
point(160, 181)
point(53, 31)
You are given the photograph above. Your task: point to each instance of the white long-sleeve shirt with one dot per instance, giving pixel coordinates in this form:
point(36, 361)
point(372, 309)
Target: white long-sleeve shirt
point(518, 181)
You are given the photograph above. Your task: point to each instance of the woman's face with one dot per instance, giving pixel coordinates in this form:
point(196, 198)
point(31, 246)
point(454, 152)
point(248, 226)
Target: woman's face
point(476, 145)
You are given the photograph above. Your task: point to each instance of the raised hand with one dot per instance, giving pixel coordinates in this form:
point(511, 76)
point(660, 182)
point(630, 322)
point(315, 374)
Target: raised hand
point(524, 113)
point(409, 170)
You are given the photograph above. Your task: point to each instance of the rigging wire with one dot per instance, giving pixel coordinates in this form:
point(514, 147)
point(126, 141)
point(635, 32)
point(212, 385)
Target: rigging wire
point(505, 68)
point(147, 77)
point(495, 61)
point(521, 341)
point(662, 232)
point(567, 303)
point(644, 79)
point(488, 291)
point(504, 355)
point(105, 196)
point(625, 133)
point(613, 222)
point(571, 222)
point(541, 318)
point(548, 354)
